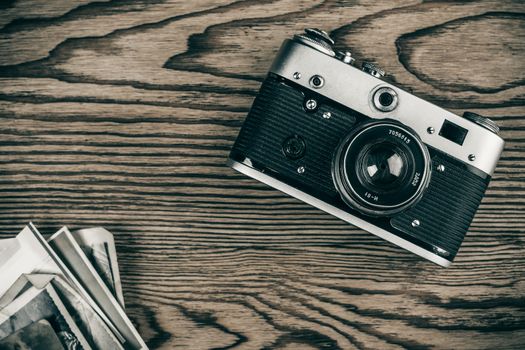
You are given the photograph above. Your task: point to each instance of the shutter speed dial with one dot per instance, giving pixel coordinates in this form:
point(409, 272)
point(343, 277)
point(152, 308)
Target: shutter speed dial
point(321, 40)
point(318, 39)
point(482, 121)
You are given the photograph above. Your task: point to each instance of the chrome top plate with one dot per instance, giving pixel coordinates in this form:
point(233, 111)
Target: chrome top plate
point(354, 88)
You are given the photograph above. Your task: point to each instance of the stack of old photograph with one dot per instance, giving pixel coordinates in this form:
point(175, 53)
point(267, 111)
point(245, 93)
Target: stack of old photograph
point(63, 292)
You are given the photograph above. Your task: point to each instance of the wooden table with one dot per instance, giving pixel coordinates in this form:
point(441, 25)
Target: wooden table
point(121, 114)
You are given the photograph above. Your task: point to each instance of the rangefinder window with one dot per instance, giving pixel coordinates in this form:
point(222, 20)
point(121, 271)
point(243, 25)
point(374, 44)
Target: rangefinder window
point(453, 132)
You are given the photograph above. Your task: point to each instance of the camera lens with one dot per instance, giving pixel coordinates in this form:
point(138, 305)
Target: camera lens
point(381, 168)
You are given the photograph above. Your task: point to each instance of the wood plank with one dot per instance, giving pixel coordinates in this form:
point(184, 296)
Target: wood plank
point(122, 114)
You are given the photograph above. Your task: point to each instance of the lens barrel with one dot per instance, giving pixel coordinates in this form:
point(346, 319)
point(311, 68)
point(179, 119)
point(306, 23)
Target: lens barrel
point(381, 168)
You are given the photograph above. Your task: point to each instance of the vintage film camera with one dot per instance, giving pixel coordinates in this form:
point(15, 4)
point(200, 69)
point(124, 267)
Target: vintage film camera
point(345, 141)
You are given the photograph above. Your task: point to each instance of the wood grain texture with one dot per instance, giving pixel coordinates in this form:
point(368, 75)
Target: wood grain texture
point(122, 113)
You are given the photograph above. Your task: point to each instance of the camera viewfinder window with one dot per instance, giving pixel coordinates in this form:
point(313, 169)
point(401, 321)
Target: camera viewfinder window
point(453, 132)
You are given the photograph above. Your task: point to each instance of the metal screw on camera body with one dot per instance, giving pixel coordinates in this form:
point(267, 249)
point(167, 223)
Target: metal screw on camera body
point(431, 130)
point(415, 223)
point(297, 75)
point(440, 168)
point(471, 157)
point(311, 104)
point(301, 170)
point(327, 115)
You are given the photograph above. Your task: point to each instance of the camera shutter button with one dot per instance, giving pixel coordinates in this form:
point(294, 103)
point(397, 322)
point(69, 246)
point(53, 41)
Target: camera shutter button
point(346, 57)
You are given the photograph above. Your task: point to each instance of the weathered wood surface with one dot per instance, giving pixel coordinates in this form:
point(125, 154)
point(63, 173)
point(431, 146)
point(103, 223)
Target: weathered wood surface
point(122, 113)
